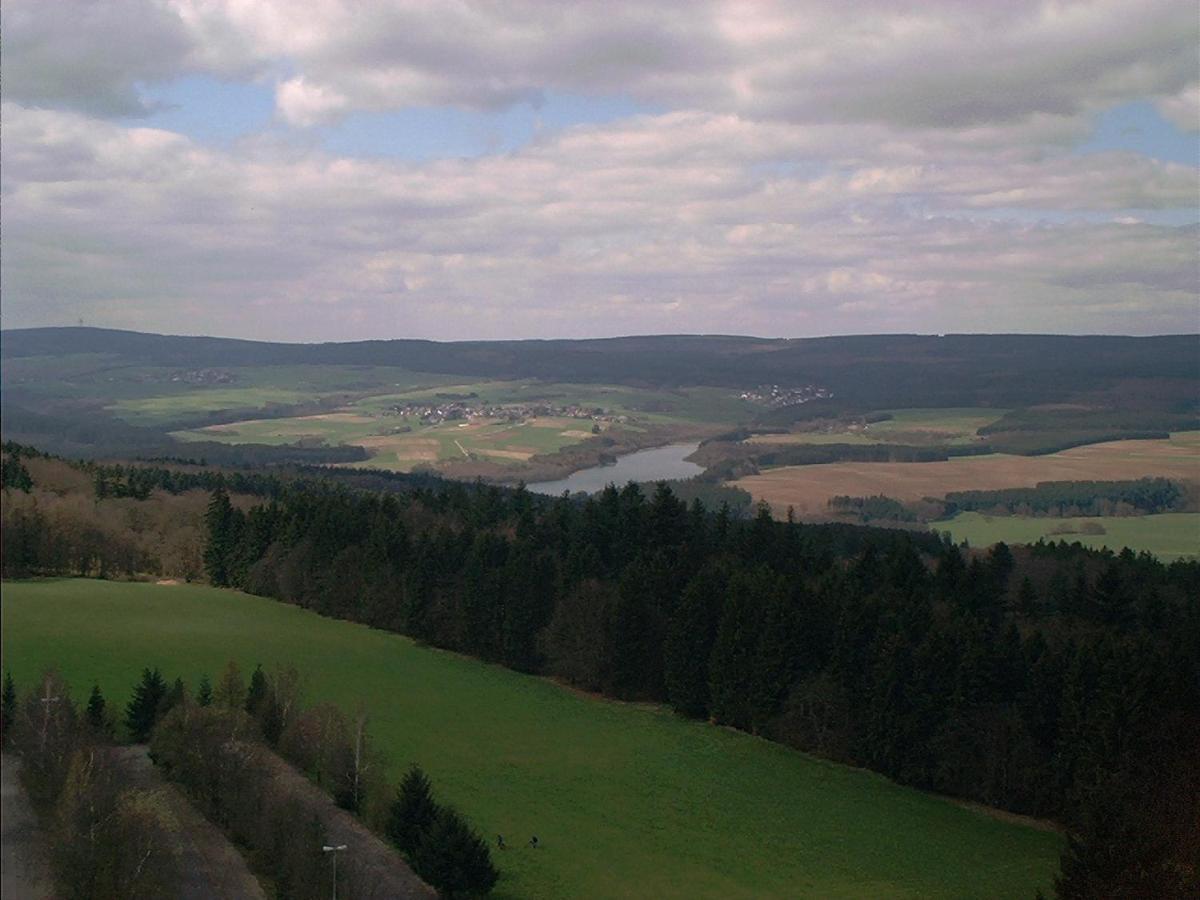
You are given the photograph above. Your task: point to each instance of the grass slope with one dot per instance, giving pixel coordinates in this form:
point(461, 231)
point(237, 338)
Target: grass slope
point(1168, 536)
point(627, 800)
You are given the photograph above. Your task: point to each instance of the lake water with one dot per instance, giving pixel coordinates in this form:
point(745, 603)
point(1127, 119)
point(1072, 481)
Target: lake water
point(655, 464)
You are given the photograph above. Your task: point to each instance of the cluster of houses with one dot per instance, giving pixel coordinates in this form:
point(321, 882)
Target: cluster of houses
point(205, 376)
point(434, 413)
point(774, 396)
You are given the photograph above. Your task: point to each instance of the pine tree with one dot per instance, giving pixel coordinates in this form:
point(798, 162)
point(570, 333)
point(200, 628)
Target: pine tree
point(204, 693)
point(453, 858)
point(96, 716)
point(257, 692)
point(218, 552)
point(8, 706)
point(412, 811)
point(142, 712)
point(175, 696)
point(689, 643)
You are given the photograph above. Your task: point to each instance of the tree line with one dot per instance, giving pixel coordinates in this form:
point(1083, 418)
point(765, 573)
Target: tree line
point(1073, 498)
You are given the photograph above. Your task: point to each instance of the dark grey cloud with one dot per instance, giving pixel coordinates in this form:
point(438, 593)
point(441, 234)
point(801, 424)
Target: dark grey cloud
point(89, 56)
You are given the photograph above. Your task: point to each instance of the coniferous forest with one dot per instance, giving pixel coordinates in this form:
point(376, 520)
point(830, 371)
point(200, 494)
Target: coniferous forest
point(1050, 680)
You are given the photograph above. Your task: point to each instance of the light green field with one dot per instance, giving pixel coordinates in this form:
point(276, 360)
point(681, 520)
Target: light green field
point(391, 447)
point(158, 410)
point(1167, 535)
point(953, 426)
point(148, 396)
point(627, 800)
point(366, 421)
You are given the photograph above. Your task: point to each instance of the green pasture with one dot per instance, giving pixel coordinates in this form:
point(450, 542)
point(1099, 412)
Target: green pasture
point(399, 454)
point(1168, 536)
point(331, 431)
point(627, 800)
point(696, 406)
point(161, 410)
point(951, 426)
point(691, 405)
point(148, 395)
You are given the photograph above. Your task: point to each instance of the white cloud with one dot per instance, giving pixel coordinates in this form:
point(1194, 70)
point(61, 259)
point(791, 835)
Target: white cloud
point(1183, 108)
point(656, 224)
point(935, 63)
point(816, 167)
point(304, 104)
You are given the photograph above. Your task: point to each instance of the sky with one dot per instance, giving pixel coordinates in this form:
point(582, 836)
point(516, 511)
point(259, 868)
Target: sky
point(344, 170)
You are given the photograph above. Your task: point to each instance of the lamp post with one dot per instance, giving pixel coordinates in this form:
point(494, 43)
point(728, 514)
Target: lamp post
point(46, 701)
point(335, 851)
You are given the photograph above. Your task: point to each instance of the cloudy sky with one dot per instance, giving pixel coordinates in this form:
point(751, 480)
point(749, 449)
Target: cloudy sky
point(343, 169)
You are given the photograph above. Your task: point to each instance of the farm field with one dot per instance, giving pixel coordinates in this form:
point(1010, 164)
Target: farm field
point(808, 488)
point(401, 443)
point(1168, 536)
point(955, 426)
point(160, 401)
point(627, 800)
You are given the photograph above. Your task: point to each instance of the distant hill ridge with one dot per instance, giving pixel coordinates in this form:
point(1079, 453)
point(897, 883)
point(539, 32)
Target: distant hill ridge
point(877, 369)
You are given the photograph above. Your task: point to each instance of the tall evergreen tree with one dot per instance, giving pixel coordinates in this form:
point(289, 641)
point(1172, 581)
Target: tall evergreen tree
point(204, 693)
point(731, 669)
point(257, 692)
point(8, 706)
point(453, 858)
point(97, 717)
point(176, 695)
point(412, 812)
point(689, 642)
point(222, 541)
point(144, 707)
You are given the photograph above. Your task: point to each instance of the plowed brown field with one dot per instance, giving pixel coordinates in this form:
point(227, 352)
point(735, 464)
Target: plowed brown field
point(808, 488)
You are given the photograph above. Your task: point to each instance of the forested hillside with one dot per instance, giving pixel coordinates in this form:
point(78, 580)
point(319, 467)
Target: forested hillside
point(1050, 680)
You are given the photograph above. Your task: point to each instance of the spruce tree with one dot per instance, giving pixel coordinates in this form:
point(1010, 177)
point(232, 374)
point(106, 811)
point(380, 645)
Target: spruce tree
point(453, 858)
point(257, 692)
point(96, 717)
point(412, 811)
point(689, 641)
point(8, 706)
point(143, 709)
point(204, 693)
point(175, 696)
point(218, 551)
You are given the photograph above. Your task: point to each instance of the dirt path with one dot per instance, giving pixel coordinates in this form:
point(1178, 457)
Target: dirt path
point(210, 867)
point(378, 870)
point(21, 874)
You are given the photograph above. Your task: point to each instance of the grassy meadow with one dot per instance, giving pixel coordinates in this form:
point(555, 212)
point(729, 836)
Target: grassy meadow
point(953, 426)
point(627, 800)
point(1168, 536)
point(401, 443)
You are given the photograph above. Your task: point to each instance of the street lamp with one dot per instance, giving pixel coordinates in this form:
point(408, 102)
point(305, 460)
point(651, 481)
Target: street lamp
point(335, 851)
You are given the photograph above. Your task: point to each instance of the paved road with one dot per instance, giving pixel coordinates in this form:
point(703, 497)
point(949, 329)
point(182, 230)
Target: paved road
point(21, 878)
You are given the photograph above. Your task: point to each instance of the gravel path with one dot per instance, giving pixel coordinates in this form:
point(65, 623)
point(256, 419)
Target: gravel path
point(21, 876)
point(210, 867)
point(379, 871)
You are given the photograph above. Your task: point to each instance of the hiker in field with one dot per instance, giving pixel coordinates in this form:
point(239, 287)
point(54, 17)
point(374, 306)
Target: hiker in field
point(533, 842)
point(500, 841)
